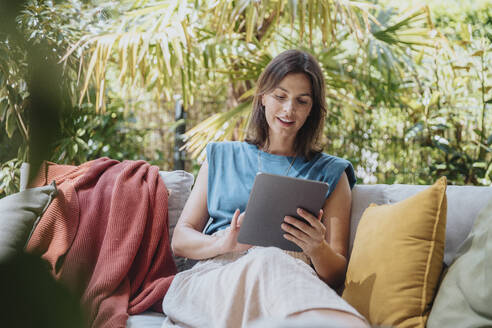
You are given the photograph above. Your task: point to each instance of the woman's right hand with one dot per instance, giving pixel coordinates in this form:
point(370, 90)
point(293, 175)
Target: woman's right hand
point(228, 241)
point(188, 237)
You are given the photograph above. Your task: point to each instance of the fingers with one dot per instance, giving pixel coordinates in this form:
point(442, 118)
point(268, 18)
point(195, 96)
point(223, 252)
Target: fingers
point(295, 240)
point(313, 220)
point(292, 231)
point(311, 232)
point(234, 222)
point(298, 225)
point(240, 219)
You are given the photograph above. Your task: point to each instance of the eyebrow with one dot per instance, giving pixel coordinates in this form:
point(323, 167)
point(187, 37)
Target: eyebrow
point(302, 94)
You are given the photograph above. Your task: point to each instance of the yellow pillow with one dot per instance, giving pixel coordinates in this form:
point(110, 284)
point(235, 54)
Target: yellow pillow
point(397, 259)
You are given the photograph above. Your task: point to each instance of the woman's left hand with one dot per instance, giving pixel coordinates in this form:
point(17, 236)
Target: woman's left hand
point(310, 236)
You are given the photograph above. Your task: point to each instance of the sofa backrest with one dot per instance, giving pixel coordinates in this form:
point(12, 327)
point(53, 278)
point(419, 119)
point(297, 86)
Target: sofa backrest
point(464, 204)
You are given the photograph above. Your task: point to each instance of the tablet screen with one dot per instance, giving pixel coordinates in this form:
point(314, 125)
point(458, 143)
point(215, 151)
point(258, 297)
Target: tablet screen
point(271, 199)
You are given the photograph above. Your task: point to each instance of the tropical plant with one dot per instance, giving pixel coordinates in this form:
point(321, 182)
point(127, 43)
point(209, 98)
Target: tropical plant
point(153, 42)
point(453, 121)
point(166, 44)
point(408, 89)
point(9, 177)
point(39, 26)
point(81, 134)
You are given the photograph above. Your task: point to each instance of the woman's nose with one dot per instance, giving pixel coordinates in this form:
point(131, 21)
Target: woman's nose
point(288, 106)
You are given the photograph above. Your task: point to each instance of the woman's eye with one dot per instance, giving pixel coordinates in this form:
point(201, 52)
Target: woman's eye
point(302, 102)
point(279, 97)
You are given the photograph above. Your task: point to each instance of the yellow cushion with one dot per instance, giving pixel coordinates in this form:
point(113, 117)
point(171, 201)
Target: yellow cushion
point(397, 259)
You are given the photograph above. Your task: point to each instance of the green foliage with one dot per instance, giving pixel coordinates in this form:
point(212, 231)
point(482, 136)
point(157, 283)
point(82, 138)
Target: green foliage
point(10, 177)
point(409, 90)
point(88, 135)
point(84, 134)
point(40, 23)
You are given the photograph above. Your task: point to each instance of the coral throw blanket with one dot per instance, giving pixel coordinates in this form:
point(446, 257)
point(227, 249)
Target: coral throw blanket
point(105, 236)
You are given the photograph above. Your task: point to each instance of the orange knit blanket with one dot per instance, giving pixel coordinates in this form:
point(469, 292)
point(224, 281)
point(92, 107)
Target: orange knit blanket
point(105, 236)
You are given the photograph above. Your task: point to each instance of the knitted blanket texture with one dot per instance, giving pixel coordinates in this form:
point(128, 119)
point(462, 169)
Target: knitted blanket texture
point(105, 236)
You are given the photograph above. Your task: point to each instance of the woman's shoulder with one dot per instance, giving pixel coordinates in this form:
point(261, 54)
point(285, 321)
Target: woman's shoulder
point(327, 159)
point(336, 166)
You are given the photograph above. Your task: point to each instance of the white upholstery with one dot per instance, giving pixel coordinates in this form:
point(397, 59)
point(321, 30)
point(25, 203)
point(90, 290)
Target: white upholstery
point(145, 320)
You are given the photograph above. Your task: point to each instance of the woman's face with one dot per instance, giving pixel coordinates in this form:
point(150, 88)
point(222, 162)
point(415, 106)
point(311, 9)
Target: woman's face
point(288, 105)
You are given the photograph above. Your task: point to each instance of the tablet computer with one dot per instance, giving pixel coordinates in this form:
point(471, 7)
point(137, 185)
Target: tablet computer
point(271, 199)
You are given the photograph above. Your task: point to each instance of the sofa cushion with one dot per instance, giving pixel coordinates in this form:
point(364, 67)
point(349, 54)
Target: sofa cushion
point(397, 258)
point(179, 184)
point(20, 213)
point(464, 298)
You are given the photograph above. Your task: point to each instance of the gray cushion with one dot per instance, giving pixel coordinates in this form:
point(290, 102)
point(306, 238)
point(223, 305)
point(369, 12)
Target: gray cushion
point(464, 298)
point(179, 185)
point(19, 214)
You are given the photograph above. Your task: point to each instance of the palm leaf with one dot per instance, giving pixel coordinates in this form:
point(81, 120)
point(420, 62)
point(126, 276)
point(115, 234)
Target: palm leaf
point(406, 30)
point(169, 26)
point(167, 45)
point(218, 127)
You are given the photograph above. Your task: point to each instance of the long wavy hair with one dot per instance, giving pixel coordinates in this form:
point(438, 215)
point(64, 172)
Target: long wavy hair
point(291, 61)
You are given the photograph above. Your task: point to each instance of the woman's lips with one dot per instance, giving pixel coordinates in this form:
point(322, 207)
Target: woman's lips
point(285, 122)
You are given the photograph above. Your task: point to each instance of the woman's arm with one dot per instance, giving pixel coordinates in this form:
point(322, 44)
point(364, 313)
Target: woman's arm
point(188, 239)
point(325, 238)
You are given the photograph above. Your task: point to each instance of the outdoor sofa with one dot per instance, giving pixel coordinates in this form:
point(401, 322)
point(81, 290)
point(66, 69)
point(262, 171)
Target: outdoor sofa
point(391, 266)
point(463, 204)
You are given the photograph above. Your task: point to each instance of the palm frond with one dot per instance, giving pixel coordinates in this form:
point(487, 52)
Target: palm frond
point(165, 46)
point(409, 29)
point(218, 127)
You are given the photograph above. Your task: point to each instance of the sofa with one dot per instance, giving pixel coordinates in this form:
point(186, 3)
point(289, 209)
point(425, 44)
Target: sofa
point(463, 205)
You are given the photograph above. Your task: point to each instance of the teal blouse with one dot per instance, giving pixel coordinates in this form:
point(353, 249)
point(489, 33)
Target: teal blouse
point(233, 165)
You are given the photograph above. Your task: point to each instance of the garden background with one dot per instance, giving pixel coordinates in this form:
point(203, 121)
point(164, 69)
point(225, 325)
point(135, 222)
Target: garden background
point(409, 86)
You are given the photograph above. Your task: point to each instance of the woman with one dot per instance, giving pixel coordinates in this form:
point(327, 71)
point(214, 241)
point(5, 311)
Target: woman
point(236, 283)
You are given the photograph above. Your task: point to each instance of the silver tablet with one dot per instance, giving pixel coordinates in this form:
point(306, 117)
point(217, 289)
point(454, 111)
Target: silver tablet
point(272, 198)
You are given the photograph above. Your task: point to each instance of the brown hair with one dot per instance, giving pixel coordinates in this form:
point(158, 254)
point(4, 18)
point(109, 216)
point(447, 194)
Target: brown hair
point(291, 61)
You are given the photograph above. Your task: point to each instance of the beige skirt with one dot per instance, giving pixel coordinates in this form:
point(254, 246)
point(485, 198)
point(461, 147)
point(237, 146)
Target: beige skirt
point(234, 289)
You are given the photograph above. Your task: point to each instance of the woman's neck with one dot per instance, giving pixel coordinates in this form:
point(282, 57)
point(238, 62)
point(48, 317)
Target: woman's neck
point(280, 147)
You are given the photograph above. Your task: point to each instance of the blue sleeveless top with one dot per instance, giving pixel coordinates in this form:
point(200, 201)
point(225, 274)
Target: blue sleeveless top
point(232, 167)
